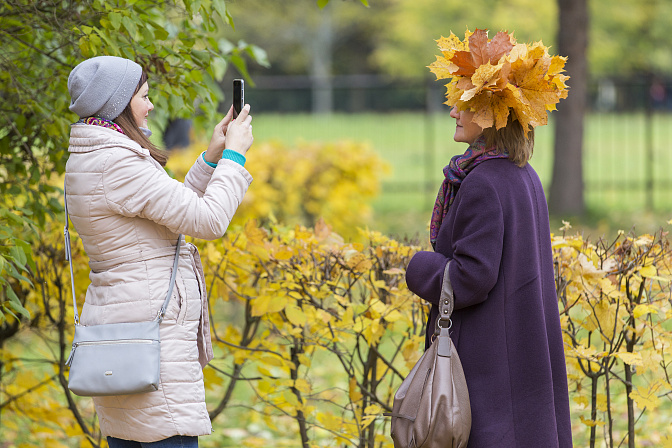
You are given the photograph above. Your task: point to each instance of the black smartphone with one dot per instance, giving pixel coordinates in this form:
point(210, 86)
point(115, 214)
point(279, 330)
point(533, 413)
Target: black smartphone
point(238, 96)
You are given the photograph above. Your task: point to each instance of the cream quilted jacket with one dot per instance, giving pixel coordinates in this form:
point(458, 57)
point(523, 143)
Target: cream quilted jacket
point(128, 213)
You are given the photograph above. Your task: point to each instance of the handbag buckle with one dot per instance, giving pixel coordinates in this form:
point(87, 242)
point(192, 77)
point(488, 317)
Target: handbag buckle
point(439, 327)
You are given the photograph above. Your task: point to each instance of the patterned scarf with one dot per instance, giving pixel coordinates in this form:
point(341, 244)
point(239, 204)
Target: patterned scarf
point(97, 121)
point(455, 173)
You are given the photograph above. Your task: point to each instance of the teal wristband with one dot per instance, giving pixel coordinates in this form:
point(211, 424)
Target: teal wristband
point(214, 165)
point(237, 157)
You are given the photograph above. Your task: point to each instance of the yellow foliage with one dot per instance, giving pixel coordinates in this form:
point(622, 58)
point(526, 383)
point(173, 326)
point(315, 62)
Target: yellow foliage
point(305, 182)
point(591, 423)
point(645, 397)
point(318, 327)
point(612, 294)
point(632, 359)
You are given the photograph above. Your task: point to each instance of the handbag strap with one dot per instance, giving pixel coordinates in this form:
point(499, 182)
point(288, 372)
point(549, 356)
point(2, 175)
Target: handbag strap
point(68, 256)
point(446, 302)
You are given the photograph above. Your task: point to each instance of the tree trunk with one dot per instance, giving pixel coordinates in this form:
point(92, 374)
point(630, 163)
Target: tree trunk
point(566, 192)
point(321, 62)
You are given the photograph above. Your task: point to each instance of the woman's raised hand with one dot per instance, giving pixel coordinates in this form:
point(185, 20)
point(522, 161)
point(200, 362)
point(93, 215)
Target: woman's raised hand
point(218, 140)
point(239, 136)
point(231, 134)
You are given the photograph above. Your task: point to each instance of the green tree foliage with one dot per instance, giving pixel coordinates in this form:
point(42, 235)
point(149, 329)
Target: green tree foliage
point(406, 44)
point(628, 38)
point(41, 41)
point(298, 35)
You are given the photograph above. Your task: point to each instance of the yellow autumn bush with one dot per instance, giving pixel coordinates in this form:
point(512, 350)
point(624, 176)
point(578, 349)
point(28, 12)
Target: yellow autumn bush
point(305, 182)
point(313, 334)
point(616, 313)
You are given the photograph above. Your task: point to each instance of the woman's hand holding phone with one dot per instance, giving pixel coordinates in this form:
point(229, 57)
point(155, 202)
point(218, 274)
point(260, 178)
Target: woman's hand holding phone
point(239, 136)
point(218, 139)
point(231, 134)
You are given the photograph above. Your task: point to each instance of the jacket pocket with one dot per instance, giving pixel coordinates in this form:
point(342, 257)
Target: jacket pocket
point(182, 299)
point(174, 308)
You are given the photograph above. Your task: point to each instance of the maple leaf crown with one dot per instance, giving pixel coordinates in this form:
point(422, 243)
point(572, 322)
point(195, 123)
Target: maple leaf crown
point(497, 77)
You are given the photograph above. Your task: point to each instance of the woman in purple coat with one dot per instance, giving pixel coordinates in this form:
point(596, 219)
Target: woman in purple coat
point(491, 220)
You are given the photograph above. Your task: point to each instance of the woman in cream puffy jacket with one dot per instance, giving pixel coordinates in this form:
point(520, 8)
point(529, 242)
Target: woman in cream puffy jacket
point(128, 213)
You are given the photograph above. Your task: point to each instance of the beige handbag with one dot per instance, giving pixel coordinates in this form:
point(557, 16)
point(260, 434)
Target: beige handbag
point(431, 408)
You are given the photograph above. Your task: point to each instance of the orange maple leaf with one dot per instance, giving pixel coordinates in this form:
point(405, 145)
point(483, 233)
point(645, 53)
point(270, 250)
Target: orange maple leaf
point(481, 51)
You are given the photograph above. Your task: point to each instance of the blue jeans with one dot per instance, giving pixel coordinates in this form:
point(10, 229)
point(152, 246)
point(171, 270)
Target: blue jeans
point(171, 442)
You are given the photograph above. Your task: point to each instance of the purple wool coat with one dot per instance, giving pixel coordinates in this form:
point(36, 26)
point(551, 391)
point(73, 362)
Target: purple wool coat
point(506, 324)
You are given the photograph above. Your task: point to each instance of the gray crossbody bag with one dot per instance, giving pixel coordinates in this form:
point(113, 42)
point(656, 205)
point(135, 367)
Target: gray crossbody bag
point(115, 359)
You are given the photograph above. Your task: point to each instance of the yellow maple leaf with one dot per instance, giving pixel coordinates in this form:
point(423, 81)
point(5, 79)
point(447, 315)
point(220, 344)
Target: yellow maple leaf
point(353, 390)
point(667, 442)
point(264, 304)
point(518, 51)
point(453, 93)
point(633, 359)
point(212, 377)
point(645, 398)
point(486, 75)
point(537, 50)
point(643, 309)
point(557, 66)
point(501, 103)
point(302, 385)
point(591, 423)
point(442, 68)
point(484, 116)
point(449, 45)
point(295, 315)
point(520, 108)
point(581, 400)
point(255, 235)
point(648, 271)
point(393, 316)
point(528, 75)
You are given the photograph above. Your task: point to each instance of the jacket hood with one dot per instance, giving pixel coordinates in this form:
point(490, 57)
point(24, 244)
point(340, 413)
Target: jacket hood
point(87, 138)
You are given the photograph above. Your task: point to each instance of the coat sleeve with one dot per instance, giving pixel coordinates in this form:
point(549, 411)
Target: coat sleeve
point(134, 187)
point(198, 176)
point(477, 240)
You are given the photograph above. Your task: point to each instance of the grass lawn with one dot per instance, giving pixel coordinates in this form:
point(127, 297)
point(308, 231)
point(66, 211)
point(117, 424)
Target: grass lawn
point(417, 146)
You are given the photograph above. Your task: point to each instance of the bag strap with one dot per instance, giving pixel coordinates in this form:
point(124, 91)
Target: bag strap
point(446, 302)
point(68, 253)
point(68, 256)
point(173, 274)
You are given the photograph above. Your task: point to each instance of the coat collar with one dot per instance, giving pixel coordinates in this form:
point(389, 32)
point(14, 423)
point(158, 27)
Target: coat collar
point(88, 138)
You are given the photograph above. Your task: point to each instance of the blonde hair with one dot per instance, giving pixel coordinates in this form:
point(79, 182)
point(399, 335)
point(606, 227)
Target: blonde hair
point(511, 139)
point(126, 121)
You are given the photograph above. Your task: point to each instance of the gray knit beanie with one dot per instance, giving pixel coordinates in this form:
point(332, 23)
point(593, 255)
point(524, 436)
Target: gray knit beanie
point(103, 86)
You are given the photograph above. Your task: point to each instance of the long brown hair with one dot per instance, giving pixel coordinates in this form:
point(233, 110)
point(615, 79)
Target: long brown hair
point(511, 139)
point(126, 121)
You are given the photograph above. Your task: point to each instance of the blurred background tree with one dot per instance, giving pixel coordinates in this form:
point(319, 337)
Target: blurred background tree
point(565, 194)
point(303, 39)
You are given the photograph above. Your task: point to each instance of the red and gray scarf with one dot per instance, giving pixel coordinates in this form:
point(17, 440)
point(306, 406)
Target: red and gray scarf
point(97, 121)
point(455, 173)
